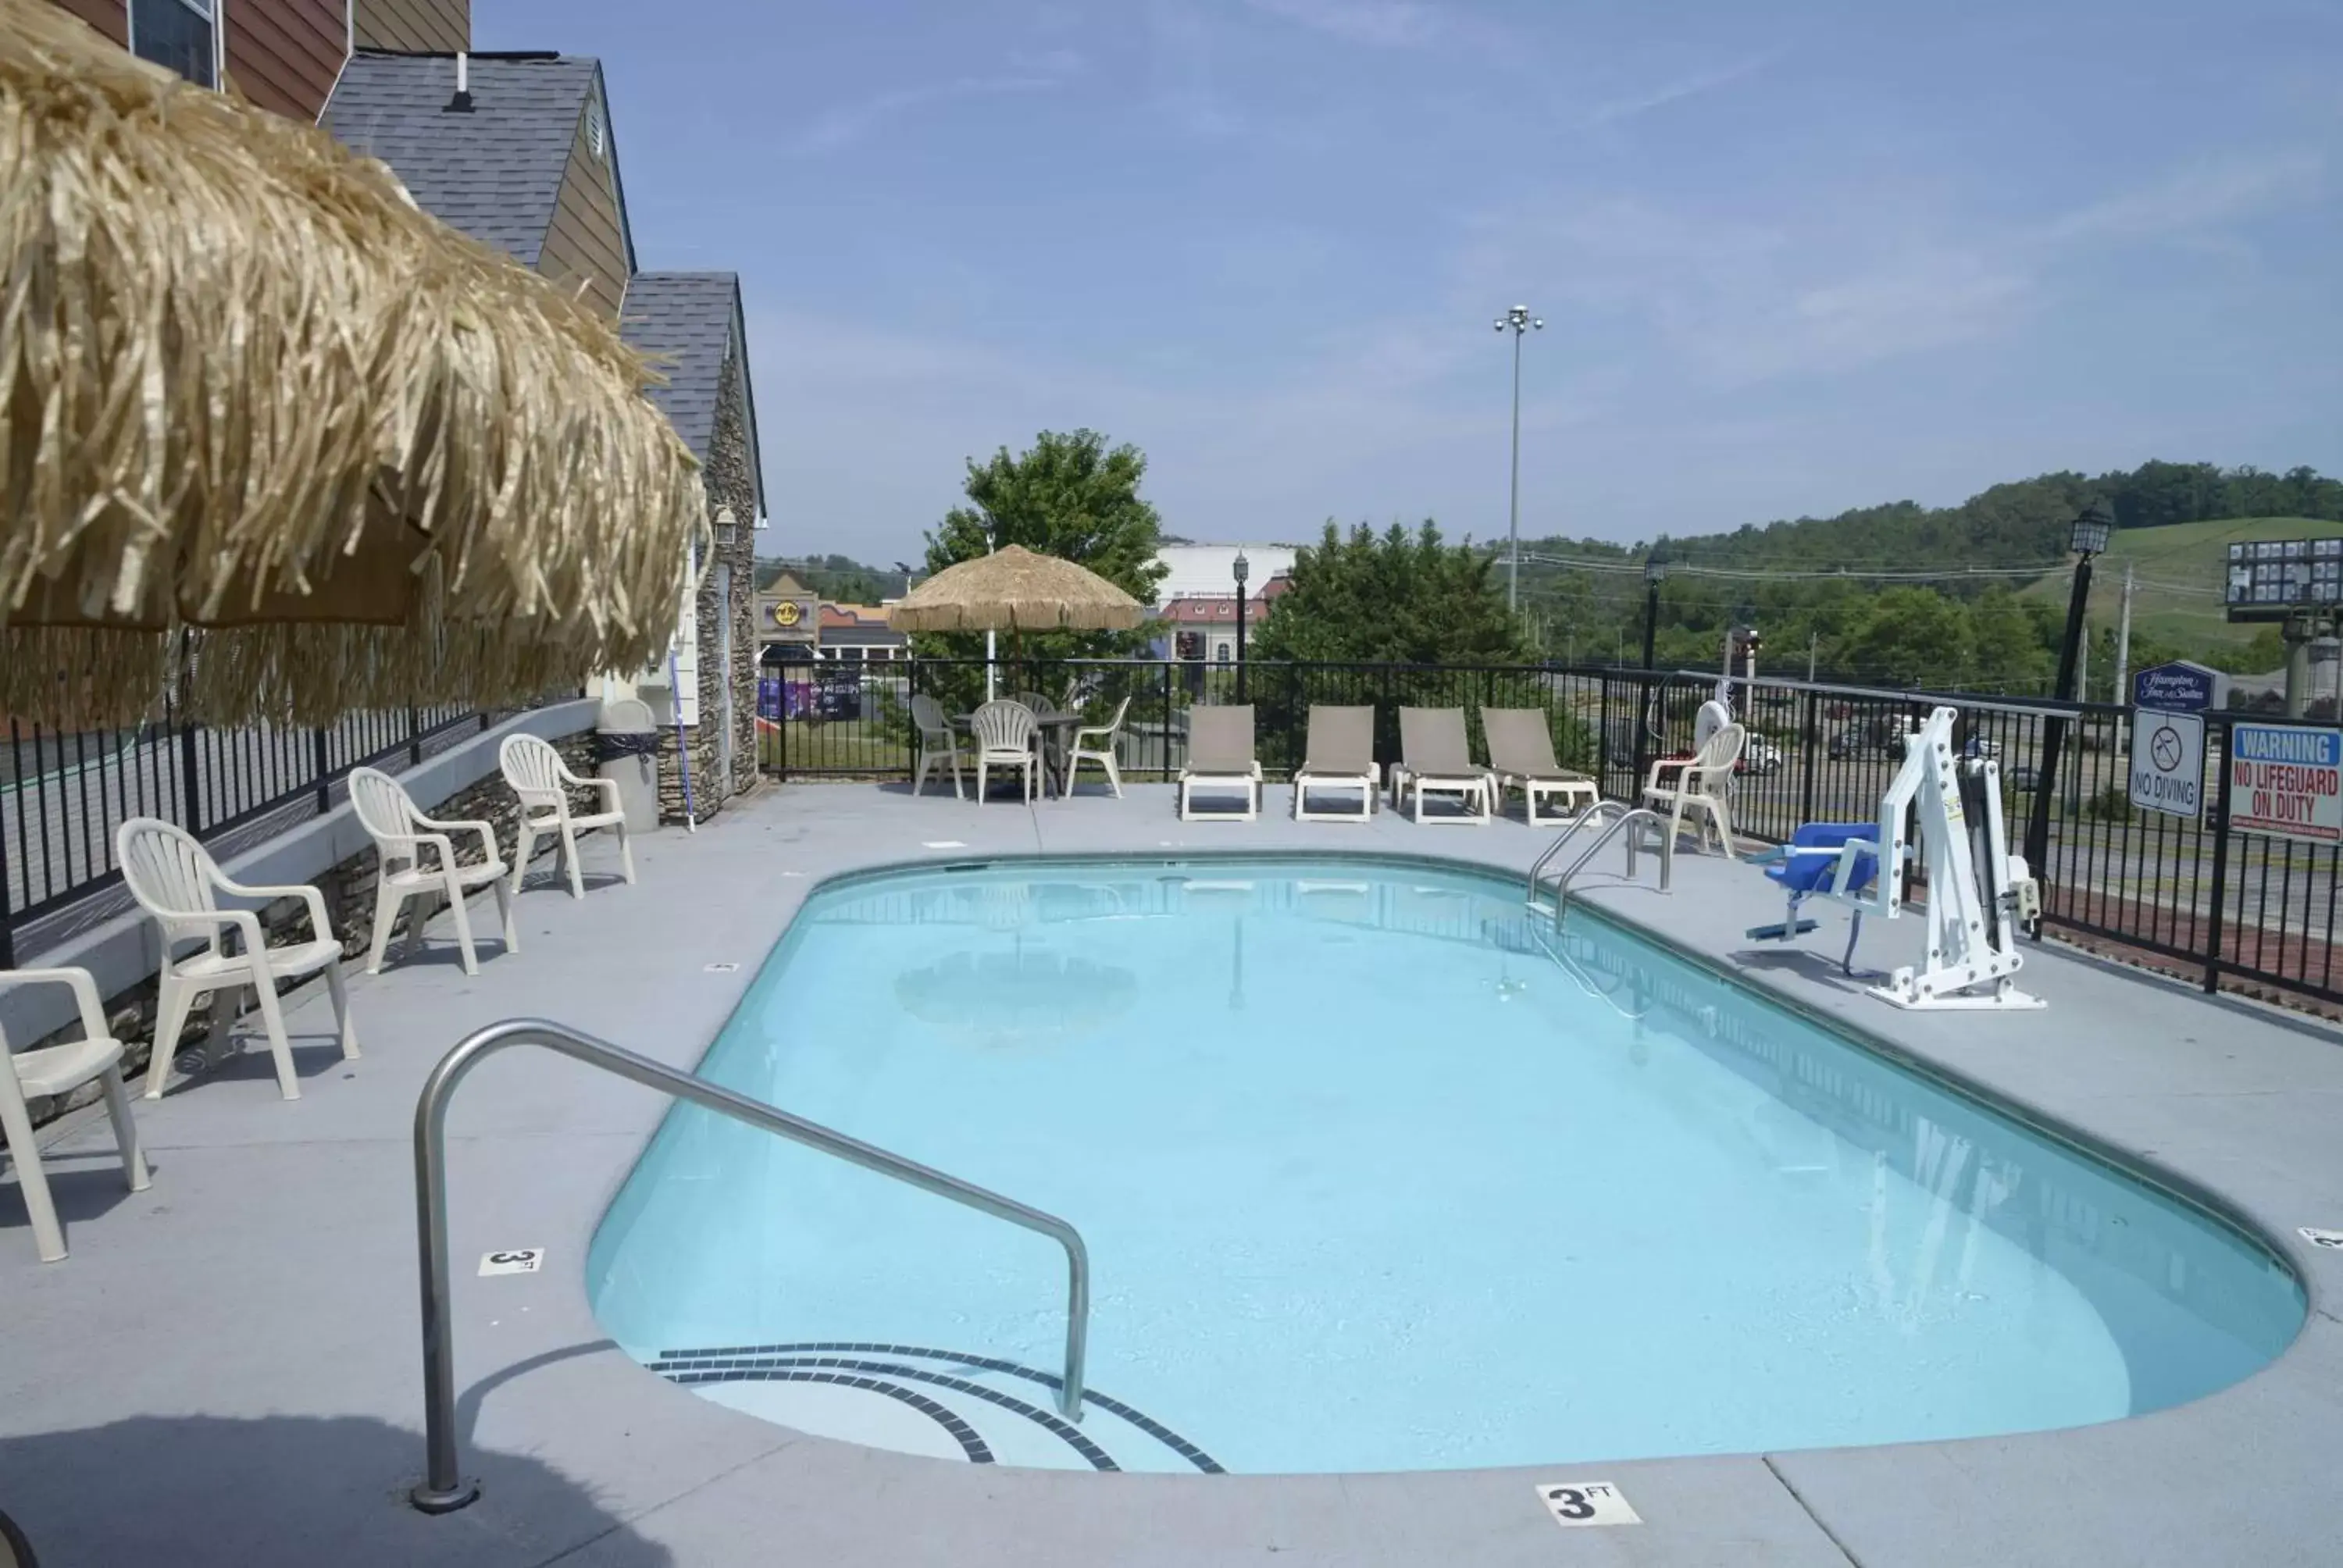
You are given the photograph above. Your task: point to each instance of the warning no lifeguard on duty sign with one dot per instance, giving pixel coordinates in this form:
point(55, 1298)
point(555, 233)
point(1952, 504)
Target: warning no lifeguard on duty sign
point(2287, 781)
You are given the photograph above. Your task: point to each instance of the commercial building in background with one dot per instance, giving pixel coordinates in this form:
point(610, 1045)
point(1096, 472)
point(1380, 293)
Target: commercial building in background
point(1195, 615)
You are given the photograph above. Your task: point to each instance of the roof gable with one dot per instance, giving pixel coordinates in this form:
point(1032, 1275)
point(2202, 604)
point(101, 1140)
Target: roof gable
point(495, 173)
point(692, 321)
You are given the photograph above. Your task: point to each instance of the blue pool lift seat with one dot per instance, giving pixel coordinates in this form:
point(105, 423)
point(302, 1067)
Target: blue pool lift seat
point(1834, 859)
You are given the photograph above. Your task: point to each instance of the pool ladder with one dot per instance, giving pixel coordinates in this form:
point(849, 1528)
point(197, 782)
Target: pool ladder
point(443, 1489)
point(1623, 817)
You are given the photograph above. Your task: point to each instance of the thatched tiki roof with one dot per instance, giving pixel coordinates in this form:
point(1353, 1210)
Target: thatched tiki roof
point(247, 388)
point(1014, 590)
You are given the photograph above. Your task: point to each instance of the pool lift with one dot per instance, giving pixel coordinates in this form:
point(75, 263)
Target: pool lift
point(1978, 892)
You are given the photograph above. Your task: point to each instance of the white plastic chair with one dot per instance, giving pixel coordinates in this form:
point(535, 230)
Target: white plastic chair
point(1703, 783)
point(938, 741)
point(391, 818)
point(1004, 738)
point(176, 880)
point(543, 782)
point(1096, 743)
point(59, 1070)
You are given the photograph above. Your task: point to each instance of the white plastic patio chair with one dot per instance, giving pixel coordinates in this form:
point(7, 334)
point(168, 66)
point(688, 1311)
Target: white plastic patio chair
point(59, 1070)
point(1097, 743)
point(1702, 784)
point(1004, 738)
point(176, 880)
point(543, 782)
point(391, 819)
point(938, 741)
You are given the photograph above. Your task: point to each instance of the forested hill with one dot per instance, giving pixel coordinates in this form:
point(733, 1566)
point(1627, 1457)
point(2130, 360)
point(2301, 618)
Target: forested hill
point(2018, 524)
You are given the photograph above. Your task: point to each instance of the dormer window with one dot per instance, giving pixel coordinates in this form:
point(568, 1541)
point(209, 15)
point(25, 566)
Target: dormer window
point(180, 36)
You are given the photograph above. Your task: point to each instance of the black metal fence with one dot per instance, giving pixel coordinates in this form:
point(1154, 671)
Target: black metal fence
point(63, 794)
point(2183, 893)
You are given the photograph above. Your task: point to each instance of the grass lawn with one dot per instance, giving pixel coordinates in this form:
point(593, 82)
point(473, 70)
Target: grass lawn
point(853, 746)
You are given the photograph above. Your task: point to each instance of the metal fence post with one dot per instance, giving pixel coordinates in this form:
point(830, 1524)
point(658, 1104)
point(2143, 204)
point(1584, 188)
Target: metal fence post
point(7, 902)
point(2220, 868)
point(323, 762)
point(415, 738)
point(191, 794)
point(1806, 758)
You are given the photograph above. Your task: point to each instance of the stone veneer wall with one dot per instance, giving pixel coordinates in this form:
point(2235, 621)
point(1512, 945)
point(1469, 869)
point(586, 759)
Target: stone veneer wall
point(349, 887)
point(730, 480)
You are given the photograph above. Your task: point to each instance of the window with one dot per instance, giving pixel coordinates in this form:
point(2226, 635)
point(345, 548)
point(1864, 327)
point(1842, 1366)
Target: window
point(181, 35)
point(595, 135)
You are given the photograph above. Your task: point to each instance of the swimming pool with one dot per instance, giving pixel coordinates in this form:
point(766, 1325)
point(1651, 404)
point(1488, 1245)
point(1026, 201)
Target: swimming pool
point(1376, 1174)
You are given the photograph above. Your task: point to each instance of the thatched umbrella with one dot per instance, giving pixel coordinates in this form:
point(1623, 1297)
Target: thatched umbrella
point(1014, 590)
point(249, 392)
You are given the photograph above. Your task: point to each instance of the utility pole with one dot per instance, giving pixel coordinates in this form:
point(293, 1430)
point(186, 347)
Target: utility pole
point(1813, 647)
point(2122, 641)
point(2083, 665)
point(1523, 323)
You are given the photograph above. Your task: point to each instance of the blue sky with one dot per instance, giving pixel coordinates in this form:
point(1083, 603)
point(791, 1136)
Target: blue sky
point(1792, 258)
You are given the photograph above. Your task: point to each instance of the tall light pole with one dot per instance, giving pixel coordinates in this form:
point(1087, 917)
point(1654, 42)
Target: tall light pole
point(1523, 323)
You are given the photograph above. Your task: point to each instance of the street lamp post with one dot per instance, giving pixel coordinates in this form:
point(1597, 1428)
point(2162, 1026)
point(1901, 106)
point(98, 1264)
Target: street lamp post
point(1240, 567)
point(1523, 323)
point(2088, 538)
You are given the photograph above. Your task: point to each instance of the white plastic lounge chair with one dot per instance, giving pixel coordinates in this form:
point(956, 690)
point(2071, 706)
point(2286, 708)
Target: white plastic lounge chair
point(401, 835)
point(543, 782)
point(1219, 756)
point(938, 741)
point(176, 880)
point(1700, 783)
point(1004, 738)
point(1521, 754)
point(1096, 743)
point(1034, 700)
point(1435, 758)
point(1340, 754)
point(58, 1070)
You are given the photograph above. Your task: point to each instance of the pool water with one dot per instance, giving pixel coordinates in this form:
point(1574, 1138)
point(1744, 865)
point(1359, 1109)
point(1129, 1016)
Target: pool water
point(1376, 1174)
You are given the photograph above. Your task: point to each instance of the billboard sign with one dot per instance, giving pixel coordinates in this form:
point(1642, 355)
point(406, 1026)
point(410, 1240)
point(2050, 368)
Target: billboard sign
point(2270, 578)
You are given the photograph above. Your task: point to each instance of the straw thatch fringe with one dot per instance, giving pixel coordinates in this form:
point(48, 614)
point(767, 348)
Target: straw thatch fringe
point(247, 384)
point(1015, 589)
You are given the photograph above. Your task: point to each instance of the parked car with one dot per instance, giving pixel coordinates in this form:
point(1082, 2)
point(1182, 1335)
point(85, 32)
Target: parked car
point(2024, 775)
point(1982, 746)
point(1759, 755)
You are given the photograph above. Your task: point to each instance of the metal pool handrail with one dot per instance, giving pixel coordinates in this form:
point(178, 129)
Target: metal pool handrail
point(1625, 819)
point(1563, 838)
point(442, 1490)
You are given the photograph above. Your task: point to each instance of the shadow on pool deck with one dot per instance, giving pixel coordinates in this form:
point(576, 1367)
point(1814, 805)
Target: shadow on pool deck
point(290, 1490)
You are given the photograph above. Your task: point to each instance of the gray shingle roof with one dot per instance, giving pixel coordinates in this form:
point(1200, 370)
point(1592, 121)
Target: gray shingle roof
point(494, 173)
point(689, 320)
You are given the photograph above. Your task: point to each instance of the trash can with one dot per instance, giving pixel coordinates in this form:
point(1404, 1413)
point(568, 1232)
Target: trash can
point(625, 752)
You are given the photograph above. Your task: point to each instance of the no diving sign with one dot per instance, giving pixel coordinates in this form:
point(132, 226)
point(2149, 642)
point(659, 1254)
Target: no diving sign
point(2287, 781)
point(2168, 762)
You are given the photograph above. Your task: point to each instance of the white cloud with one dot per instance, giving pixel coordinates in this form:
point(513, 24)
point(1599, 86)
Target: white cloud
point(848, 124)
point(1677, 91)
point(2200, 197)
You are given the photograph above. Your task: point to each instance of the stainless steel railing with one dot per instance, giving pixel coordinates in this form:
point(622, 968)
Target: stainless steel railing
point(1627, 816)
point(443, 1489)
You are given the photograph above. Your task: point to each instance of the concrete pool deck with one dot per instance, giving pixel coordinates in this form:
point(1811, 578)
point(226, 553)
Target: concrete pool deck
point(226, 1369)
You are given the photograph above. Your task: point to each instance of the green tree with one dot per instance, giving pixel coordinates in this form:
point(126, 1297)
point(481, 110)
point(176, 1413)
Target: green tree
point(2008, 652)
point(1911, 636)
point(1072, 496)
point(1395, 598)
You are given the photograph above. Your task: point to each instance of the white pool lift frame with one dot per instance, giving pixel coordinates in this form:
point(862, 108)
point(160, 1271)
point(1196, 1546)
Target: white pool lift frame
point(1972, 922)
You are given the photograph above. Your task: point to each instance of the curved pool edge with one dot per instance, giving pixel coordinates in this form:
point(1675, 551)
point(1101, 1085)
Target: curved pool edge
point(2261, 1234)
